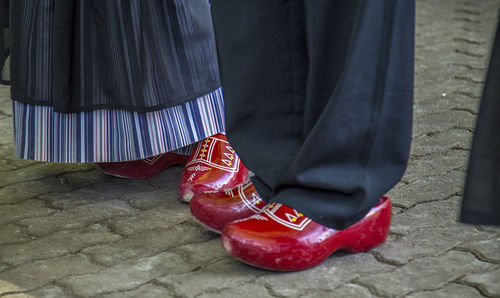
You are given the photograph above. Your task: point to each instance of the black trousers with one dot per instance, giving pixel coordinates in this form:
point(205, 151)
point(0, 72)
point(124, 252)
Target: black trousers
point(481, 202)
point(319, 99)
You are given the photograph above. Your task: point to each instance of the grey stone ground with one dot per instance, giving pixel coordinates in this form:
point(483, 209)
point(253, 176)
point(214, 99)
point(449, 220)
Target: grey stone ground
point(68, 230)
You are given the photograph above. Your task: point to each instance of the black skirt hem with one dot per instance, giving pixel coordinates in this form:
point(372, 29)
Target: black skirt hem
point(170, 104)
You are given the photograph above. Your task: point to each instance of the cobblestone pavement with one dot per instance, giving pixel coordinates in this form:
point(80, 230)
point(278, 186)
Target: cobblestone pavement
point(69, 230)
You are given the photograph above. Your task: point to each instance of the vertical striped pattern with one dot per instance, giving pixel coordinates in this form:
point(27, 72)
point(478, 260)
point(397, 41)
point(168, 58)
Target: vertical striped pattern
point(114, 135)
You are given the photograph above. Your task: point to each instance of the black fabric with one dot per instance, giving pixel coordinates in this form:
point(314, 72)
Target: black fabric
point(481, 201)
point(4, 13)
point(4, 36)
point(319, 99)
point(138, 55)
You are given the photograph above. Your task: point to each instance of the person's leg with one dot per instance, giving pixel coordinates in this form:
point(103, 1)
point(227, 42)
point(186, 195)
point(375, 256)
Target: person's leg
point(319, 99)
point(263, 67)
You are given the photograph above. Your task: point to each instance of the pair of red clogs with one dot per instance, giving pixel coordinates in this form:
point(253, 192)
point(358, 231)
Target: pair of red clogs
point(277, 237)
point(271, 236)
point(213, 165)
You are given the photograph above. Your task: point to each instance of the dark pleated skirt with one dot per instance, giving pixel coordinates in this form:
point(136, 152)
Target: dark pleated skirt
point(108, 81)
point(137, 55)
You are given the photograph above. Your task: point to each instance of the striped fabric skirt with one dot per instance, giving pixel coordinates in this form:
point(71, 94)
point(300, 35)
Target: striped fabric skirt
point(109, 135)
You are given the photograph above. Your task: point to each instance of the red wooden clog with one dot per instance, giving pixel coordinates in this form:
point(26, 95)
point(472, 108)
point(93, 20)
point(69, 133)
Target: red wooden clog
point(212, 166)
point(215, 209)
point(142, 168)
point(281, 238)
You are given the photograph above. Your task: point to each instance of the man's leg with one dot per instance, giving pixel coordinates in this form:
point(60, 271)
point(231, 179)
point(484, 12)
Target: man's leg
point(264, 67)
point(319, 99)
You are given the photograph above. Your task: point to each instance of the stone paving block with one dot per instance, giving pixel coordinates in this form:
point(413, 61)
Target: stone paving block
point(78, 217)
point(211, 279)
point(245, 290)
point(149, 291)
point(203, 252)
point(8, 165)
point(5, 103)
point(487, 282)
point(6, 134)
point(23, 191)
point(344, 291)
point(452, 77)
point(490, 229)
point(161, 217)
point(437, 122)
point(45, 292)
point(452, 88)
point(40, 171)
point(424, 75)
point(26, 209)
point(451, 290)
point(146, 243)
point(470, 79)
point(8, 162)
point(3, 267)
point(427, 242)
point(152, 198)
point(85, 178)
point(471, 73)
point(39, 273)
point(11, 233)
point(337, 270)
point(109, 189)
point(127, 275)
point(440, 45)
point(449, 100)
point(436, 164)
point(427, 189)
point(424, 45)
point(19, 295)
point(436, 97)
point(427, 215)
point(474, 72)
point(473, 53)
point(441, 142)
point(50, 292)
point(7, 287)
point(489, 249)
point(426, 273)
point(54, 245)
point(397, 210)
